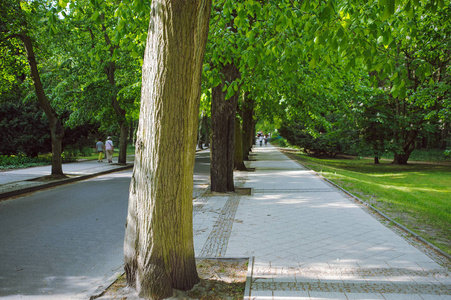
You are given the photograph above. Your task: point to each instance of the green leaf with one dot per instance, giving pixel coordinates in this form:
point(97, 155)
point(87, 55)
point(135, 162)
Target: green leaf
point(386, 13)
point(95, 16)
point(236, 21)
point(391, 7)
point(62, 3)
point(312, 63)
point(395, 76)
point(340, 32)
point(114, 57)
point(230, 92)
point(394, 91)
point(252, 62)
point(121, 25)
point(235, 86)
point(325, 14)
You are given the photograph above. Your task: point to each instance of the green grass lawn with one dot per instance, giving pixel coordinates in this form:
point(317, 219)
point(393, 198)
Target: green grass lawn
point(416, 195)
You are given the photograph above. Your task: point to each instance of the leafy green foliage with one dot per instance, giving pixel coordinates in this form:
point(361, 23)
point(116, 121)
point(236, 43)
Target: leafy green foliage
point(24, 127)
point(398, 43)
point(328, 143)
point(106, 62)
point(22, 161)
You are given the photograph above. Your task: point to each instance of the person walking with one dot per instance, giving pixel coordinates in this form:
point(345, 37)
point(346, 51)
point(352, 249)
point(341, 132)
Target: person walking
point(109, 148)
point(260, 139)
point(100, 147)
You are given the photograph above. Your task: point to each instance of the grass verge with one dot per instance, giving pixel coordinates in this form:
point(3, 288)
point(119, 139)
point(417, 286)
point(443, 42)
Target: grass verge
point(416, 195)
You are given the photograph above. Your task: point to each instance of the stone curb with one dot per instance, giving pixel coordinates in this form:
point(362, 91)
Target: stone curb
point(250, 269)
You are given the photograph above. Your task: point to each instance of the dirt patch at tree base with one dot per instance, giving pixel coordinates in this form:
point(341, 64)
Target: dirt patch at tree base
point(220, 279)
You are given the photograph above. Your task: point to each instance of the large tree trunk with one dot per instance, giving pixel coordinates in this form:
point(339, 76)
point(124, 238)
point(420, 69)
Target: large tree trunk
point(223, 113)
point(56, 127)
point(238, 157)
point(247, 114)
point(158, 246)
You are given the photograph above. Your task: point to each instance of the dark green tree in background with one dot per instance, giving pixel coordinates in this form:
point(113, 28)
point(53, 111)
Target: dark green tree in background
point(21, 23)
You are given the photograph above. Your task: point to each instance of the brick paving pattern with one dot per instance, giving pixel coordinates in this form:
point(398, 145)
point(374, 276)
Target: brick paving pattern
point(216, 244)
point(311, 241)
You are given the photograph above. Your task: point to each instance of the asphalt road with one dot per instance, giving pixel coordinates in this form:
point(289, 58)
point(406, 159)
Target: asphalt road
point(67, 242)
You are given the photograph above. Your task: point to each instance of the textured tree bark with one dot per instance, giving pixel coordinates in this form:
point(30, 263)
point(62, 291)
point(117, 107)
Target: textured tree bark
point(254, 132)
point(206, 126)
point(238, 157)
point(223, 114)
point(56, 127)
point(123, 142)
point(158, 246)
point(247, 115)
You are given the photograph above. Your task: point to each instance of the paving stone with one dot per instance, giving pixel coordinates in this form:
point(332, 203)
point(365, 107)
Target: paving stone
point(402, 297)
point(363, 296)
point(309, 240)
point(290, 295)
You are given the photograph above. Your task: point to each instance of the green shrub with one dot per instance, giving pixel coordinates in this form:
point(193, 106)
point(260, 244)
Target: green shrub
point(278, 140)
point(70, 154)
point(86, 151)
point(24, 128)
point(282, 142)
point(23, 161)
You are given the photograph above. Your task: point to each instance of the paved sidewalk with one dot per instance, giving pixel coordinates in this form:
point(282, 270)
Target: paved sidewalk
point(16, 182)
point(309, 241)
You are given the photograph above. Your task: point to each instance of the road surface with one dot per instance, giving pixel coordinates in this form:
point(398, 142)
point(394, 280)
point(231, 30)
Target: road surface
point(67, 242)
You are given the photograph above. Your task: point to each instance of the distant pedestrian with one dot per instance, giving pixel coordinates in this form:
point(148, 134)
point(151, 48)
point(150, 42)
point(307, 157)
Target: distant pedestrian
point(266, 140)
point(109, 149)
point(100, 147)
point(260, 139)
